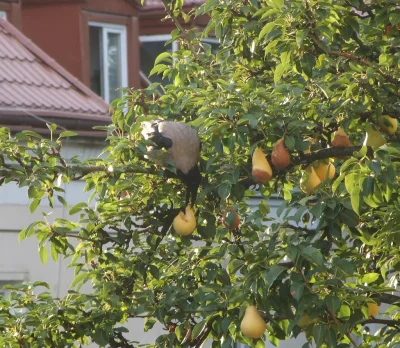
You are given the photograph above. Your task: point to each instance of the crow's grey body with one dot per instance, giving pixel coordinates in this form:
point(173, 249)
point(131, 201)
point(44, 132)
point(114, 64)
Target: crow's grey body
point(183, 149)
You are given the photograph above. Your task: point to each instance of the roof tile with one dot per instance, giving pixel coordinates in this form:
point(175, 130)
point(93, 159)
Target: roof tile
point(31, 79)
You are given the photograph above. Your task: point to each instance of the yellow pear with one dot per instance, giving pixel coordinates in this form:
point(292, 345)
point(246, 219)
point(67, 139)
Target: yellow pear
point(309, 180)
point(325, 170)
point(373, 137)
point(280, 156)
point(253, 325)
point(185, 222)
point(261, 170)
point(387, 124)
point(373, 309)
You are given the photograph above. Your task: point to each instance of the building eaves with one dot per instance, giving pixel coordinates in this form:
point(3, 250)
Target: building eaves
point(32, 82)
point(150, 5)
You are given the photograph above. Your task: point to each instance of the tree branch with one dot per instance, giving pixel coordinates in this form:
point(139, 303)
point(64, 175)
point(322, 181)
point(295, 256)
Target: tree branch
point(392, 323)
point(352, 57)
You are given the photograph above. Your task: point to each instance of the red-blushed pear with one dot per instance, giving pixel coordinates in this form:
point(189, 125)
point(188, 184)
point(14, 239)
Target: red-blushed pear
point(309, 180)
point(325, 169)
point(280, 156)
point(340, 138)
point(261, 170)
point(230, 218)
point(185, 222)
point(388, 124)
point(252, 325)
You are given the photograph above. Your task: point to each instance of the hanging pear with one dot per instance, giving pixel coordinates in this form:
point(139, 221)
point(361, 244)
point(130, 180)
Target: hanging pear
point(373, 137)
point(252, 325)
point(340, 138)
point(280, 156)
point(325, 170)
point(309, 180)
point(261, 170)
point(185, 222)
point(387, 124)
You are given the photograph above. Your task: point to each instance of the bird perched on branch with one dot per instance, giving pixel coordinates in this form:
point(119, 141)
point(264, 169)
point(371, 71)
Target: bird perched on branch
point(183, 149)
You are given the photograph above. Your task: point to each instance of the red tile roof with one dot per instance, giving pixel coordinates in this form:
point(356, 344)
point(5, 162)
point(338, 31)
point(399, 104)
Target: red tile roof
point(33, 84)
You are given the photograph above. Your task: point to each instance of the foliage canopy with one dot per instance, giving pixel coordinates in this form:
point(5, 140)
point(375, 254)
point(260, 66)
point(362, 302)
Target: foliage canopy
point(298, 69)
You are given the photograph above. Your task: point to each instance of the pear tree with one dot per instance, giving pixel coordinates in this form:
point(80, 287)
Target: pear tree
point(321, 79)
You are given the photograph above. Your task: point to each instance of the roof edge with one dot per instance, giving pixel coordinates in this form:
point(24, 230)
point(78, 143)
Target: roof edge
point(29, 119)
point(30, 45)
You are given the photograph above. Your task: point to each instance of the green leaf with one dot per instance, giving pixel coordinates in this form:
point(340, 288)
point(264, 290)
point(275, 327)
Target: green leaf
point(33, 205)
point(62, 201)
point(266, 29)
point(274, 273)
point(347, 163)
point(80, 278)
point(394, 18)
point(307, 63)
point(350, 180)
point(227, 343)
point(333, 303)
point(369, 278)
point(312, 254)
point(32, 134)
point(278, 3)
point(51, 126)
point(367, 186)
point(28, 231)
point(319, 334)
point(356, 199)
point(300, 36)
point(224, 190)
point(331, 338)
point(198, 328)
point(234, 266)
point(158, 69)
point(344, 312)
point(375, 166)
point(54, 252)
point(163, 56)
point(67, 134)
point(43, 254)
point(297, 289)
point(77, 208)
point(279, 70)
point(349, 217)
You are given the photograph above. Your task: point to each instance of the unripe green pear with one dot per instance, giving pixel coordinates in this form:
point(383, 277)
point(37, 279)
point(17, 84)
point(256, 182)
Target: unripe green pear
point(373, 137)
point(388, 124)
point(253, 325)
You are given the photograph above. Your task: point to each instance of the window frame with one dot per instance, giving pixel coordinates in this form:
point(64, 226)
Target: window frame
point(166, 37)
point(113, 29)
